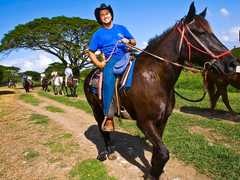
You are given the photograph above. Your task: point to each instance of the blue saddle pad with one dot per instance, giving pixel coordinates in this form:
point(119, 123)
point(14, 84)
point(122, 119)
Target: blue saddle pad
point(121, 65)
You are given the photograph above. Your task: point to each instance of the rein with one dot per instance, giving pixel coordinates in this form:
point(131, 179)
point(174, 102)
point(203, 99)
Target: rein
point(176, 64)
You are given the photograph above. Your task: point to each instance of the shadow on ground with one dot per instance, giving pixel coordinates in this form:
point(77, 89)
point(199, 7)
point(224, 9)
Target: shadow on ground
point(205, 112)
point(6, 92)
point(128, 146)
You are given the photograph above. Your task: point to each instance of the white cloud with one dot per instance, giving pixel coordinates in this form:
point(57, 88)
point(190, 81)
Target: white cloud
point(144, 44)
point(224, 12)
point(230, 36)
point(36, 63)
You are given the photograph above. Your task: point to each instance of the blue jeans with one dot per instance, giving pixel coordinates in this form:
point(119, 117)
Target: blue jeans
point(108, 84)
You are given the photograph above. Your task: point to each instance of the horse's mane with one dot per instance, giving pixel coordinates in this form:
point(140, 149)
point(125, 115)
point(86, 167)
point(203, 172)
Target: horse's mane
point(155, 40)
point(199, 20)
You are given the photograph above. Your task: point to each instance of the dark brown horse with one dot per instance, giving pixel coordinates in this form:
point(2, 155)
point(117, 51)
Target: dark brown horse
point(72, 83)
point(26, 84)
point(150, 100)
point(221, 83)
point(11, 85)
point(44, 84)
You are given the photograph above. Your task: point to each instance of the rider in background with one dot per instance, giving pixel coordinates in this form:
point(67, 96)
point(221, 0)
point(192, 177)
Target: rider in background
point(10, 82)
point(105, 39)
point(23, 77)
point(42, 76)
point(68, 73)
point(29, 78)
point(54, 74)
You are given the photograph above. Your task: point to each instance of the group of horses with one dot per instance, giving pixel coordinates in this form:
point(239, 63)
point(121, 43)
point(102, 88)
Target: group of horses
point(59, 84)
point(151, 98)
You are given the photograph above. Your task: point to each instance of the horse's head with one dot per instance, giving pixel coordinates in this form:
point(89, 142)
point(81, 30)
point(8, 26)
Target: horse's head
point(206, 49)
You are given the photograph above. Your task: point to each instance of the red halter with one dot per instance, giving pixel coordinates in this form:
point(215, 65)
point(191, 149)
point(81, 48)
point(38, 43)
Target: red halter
point(190, 45)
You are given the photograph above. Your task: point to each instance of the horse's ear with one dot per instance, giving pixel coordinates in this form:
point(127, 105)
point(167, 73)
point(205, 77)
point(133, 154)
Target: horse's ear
point(191, 12)
point(203, 14)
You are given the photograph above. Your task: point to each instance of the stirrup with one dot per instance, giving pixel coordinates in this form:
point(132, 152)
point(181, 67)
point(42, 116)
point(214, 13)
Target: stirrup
point(108, 125)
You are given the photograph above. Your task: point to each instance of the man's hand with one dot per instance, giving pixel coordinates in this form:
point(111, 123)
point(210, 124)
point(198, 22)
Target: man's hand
point(126, 41)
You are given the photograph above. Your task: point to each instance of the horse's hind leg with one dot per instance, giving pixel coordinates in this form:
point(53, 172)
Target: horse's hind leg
point(223, 92)
point(160, 154)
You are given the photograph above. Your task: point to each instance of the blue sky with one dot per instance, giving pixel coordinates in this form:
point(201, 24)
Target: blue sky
point(144, 19)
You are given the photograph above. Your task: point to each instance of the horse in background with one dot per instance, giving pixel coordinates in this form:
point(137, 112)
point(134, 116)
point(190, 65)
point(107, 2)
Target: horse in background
point(150, 99)
point(58, 85)
point(71, 83)
point(26, 84)
point(11, 85)
point(221, 83)
point(44, 84)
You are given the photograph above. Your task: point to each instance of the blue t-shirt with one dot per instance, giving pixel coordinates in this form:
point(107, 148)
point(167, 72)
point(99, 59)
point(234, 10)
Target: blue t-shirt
point(106, 39)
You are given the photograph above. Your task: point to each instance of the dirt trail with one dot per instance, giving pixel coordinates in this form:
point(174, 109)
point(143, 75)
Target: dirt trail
point(134, 156)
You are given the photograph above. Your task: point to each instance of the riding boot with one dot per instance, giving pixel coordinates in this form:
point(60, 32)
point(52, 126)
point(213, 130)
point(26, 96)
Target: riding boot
point(108, 124)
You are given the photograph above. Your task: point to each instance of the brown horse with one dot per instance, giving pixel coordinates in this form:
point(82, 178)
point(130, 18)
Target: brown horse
point(11, 85)
point(72, 83)
point(26, 84)
point(150, 99)
point(44, 84)
point(221, 83)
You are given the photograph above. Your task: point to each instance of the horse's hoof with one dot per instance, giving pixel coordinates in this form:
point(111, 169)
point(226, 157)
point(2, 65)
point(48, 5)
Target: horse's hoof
point(150, 177)
point(102, 157)
point(161, 177)
point(112, 156)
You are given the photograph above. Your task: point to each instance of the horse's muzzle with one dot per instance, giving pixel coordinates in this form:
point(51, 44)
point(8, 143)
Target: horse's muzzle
point(227, 70)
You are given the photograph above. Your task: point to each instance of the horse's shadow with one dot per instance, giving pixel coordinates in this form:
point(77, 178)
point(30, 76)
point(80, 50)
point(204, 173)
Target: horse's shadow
point(6, 92)
point(205, 112)
point(128, 146)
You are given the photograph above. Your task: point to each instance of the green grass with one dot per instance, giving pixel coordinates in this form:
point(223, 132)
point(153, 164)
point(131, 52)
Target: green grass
point(53, 109)
point(90, 169)
point(57, 146)
point(30, 154)
point(39, 119)
point(53, 160)
point(80, 104)
point(204, 105)
point(194, 82)
point(215, 153)
point(28, 98)
point(213, 158)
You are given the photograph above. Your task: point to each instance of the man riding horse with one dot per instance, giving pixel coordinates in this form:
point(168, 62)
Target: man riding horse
point(54, 74)
point(42, 76)
point(68, 73)
point(105, 39)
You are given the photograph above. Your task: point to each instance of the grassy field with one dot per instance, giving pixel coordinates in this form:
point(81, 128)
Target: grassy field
point(212, 146)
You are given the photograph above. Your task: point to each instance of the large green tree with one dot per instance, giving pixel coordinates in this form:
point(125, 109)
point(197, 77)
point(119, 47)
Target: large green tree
point(66, 38)
point(8, 73)
point(35, 75)
point(236, 52)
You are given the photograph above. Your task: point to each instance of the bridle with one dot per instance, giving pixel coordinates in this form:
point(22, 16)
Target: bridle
point(199, 42)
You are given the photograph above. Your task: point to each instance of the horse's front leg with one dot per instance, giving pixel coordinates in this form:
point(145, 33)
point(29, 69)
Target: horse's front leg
point(57, 90)
point(160, 154)
point(66, 90)
point(99, 116)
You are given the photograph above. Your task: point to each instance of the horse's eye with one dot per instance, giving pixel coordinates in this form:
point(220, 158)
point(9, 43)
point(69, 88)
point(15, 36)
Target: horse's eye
point(201, 34)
